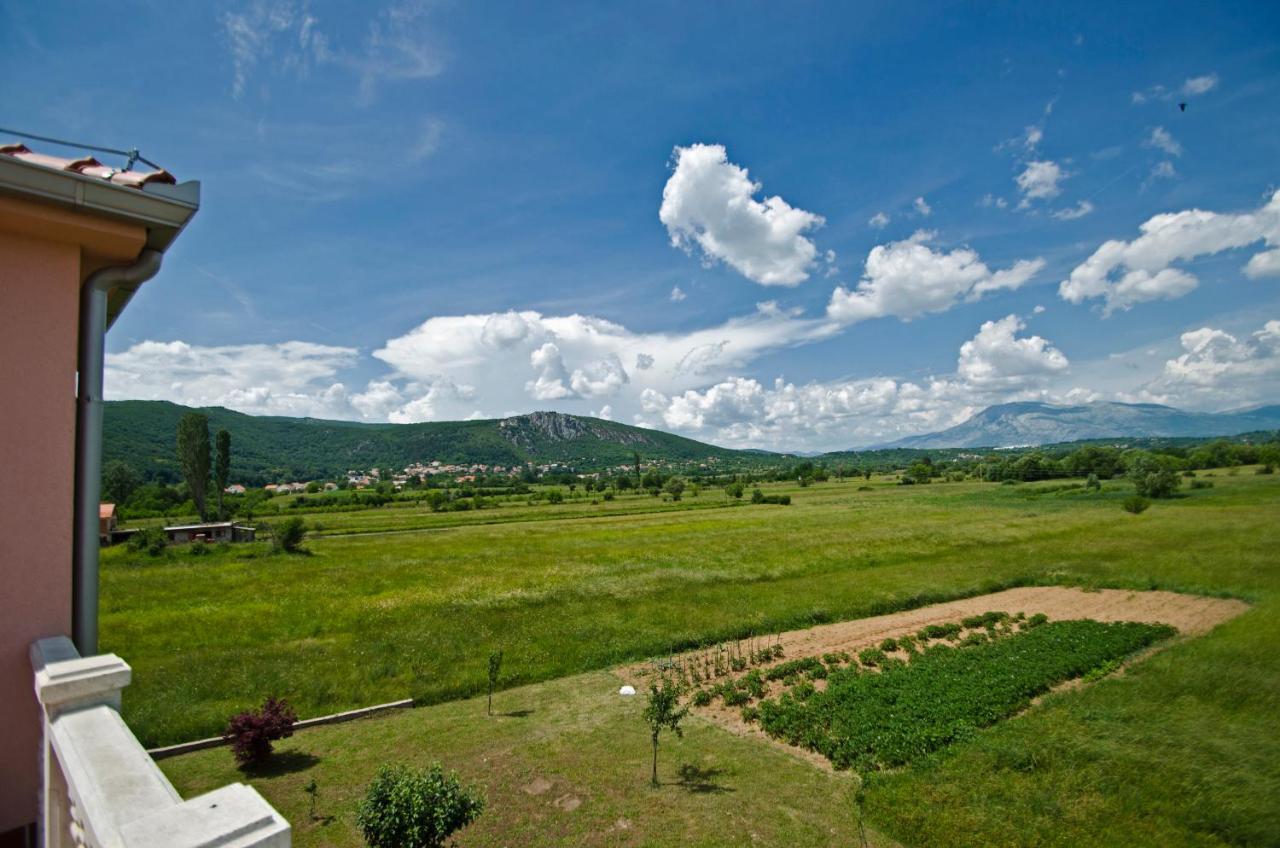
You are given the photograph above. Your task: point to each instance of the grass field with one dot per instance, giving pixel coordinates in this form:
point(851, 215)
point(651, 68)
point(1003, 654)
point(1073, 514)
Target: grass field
point(1181, 750)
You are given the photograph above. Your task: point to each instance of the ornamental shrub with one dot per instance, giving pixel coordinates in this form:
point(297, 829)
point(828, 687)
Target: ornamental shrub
point(252, 732)
point(416, 808)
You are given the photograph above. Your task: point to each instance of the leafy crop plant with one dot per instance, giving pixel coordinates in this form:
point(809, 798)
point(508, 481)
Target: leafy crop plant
point(876, 721)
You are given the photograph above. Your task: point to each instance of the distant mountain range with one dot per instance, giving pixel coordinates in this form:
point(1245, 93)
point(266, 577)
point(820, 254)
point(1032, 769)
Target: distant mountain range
point(1018, 424)
point(266, 448)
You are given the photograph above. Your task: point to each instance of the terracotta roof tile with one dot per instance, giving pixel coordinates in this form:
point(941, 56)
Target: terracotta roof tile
point(88, 166)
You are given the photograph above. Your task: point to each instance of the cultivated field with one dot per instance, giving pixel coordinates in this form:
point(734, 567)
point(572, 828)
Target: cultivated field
point(1180, 749)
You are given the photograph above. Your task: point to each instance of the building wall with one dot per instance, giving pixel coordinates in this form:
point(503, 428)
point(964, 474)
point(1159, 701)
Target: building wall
point(39, 308)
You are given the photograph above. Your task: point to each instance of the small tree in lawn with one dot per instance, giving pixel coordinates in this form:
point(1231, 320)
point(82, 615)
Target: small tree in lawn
point(495, 666)
point(663, 710)
point(252, 732)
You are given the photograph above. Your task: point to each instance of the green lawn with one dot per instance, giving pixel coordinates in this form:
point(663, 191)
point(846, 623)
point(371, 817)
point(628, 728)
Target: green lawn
point(1183, 750)
point(565, 762)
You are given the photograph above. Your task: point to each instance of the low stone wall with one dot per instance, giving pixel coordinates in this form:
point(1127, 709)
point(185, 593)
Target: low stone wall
point(336, 718)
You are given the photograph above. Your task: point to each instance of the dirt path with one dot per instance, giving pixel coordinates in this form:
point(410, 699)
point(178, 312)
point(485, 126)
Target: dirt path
point(1193, 615)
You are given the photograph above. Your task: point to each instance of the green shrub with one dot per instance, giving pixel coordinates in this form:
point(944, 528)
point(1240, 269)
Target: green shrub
point(976, 637)
point(702, 697)
point(753, 684)
point(287, 535)
point(1266, 469)
point(907, 643)
point(416, 808)
point(872, 656)
point(555, 496)
point(1135, 504)
point(889, 645)
point(1201, 484)
point(750, 714)
point(150, 539)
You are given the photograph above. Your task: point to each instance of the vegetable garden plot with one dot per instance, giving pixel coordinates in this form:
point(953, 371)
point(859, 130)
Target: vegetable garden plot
point(881, 720)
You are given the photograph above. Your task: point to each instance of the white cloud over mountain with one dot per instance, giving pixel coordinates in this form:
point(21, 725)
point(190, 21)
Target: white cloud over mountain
point(1126, 273)
point(709, 204)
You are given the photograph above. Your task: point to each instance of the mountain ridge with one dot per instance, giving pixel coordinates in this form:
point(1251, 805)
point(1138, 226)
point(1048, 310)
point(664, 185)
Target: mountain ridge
point(267, 448)
point(1027, 423)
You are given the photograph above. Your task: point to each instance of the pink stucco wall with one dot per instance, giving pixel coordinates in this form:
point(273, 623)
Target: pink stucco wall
point(39, 283)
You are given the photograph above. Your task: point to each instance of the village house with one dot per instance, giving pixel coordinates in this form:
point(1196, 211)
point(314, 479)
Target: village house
point(107, 521)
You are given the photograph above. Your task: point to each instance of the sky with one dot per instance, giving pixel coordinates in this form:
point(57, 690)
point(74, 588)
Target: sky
point(788, 226)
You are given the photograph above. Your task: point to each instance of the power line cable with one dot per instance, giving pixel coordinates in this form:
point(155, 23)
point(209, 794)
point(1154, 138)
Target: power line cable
point(132, 153)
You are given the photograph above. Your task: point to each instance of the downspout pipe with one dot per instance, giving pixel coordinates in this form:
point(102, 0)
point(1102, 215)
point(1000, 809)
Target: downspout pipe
point(88, 479)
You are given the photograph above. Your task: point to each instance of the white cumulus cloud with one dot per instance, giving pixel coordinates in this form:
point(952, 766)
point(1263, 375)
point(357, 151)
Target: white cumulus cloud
point(1125, 273)
point(709, 203)
point(908, 278)
point(996, 357)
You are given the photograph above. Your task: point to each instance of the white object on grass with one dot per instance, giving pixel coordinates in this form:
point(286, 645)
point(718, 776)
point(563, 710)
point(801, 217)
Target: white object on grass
point(627, 690)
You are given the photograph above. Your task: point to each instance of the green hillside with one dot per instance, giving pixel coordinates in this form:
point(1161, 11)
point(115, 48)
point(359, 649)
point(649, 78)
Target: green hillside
point(141, 433)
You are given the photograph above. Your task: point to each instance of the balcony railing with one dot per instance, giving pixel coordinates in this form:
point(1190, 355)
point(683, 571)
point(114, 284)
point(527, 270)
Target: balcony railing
point(100, 788)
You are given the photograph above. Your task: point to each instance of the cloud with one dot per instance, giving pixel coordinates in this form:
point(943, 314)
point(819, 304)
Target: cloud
point(1039, 181)
point(677, 294)
point(428, 141)
point(282, 30)
point(550, 383)
point(1081, 209)
point(709, 202)
point(397, 45)
point(995, 357)
point(1127, 273)
point(290, 378)
point(922, 207)
point(909, 278)
point(1192, 87)
point(1162, 139)
point(989, 200)
point(1217, 369)
point(995, 365)
point(1200, 85)
point(878, 221)
point(515, 357)
point(1163, 171)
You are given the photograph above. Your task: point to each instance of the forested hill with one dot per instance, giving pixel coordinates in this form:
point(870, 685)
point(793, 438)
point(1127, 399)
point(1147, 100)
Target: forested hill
point(141, 433)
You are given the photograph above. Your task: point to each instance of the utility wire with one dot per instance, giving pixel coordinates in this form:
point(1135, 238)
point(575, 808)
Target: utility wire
point(132, 153)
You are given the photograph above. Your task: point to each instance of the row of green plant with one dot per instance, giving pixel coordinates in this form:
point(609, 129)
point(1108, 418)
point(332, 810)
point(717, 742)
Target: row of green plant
point(883, 720)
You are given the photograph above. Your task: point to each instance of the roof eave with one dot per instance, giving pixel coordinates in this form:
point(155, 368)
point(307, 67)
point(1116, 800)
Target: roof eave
point(163, 209)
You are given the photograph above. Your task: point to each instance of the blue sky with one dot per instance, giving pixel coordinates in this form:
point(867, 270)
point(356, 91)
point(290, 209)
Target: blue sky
point(422, 211)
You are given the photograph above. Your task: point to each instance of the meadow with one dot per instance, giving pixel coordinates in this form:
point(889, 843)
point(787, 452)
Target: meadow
point(1181, 749)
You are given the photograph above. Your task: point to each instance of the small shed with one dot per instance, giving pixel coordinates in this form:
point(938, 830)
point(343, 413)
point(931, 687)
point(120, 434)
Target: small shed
point(107, 521)
point(217, 531)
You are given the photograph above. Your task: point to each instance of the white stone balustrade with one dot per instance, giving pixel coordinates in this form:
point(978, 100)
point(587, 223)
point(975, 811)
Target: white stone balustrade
point(100, 787)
